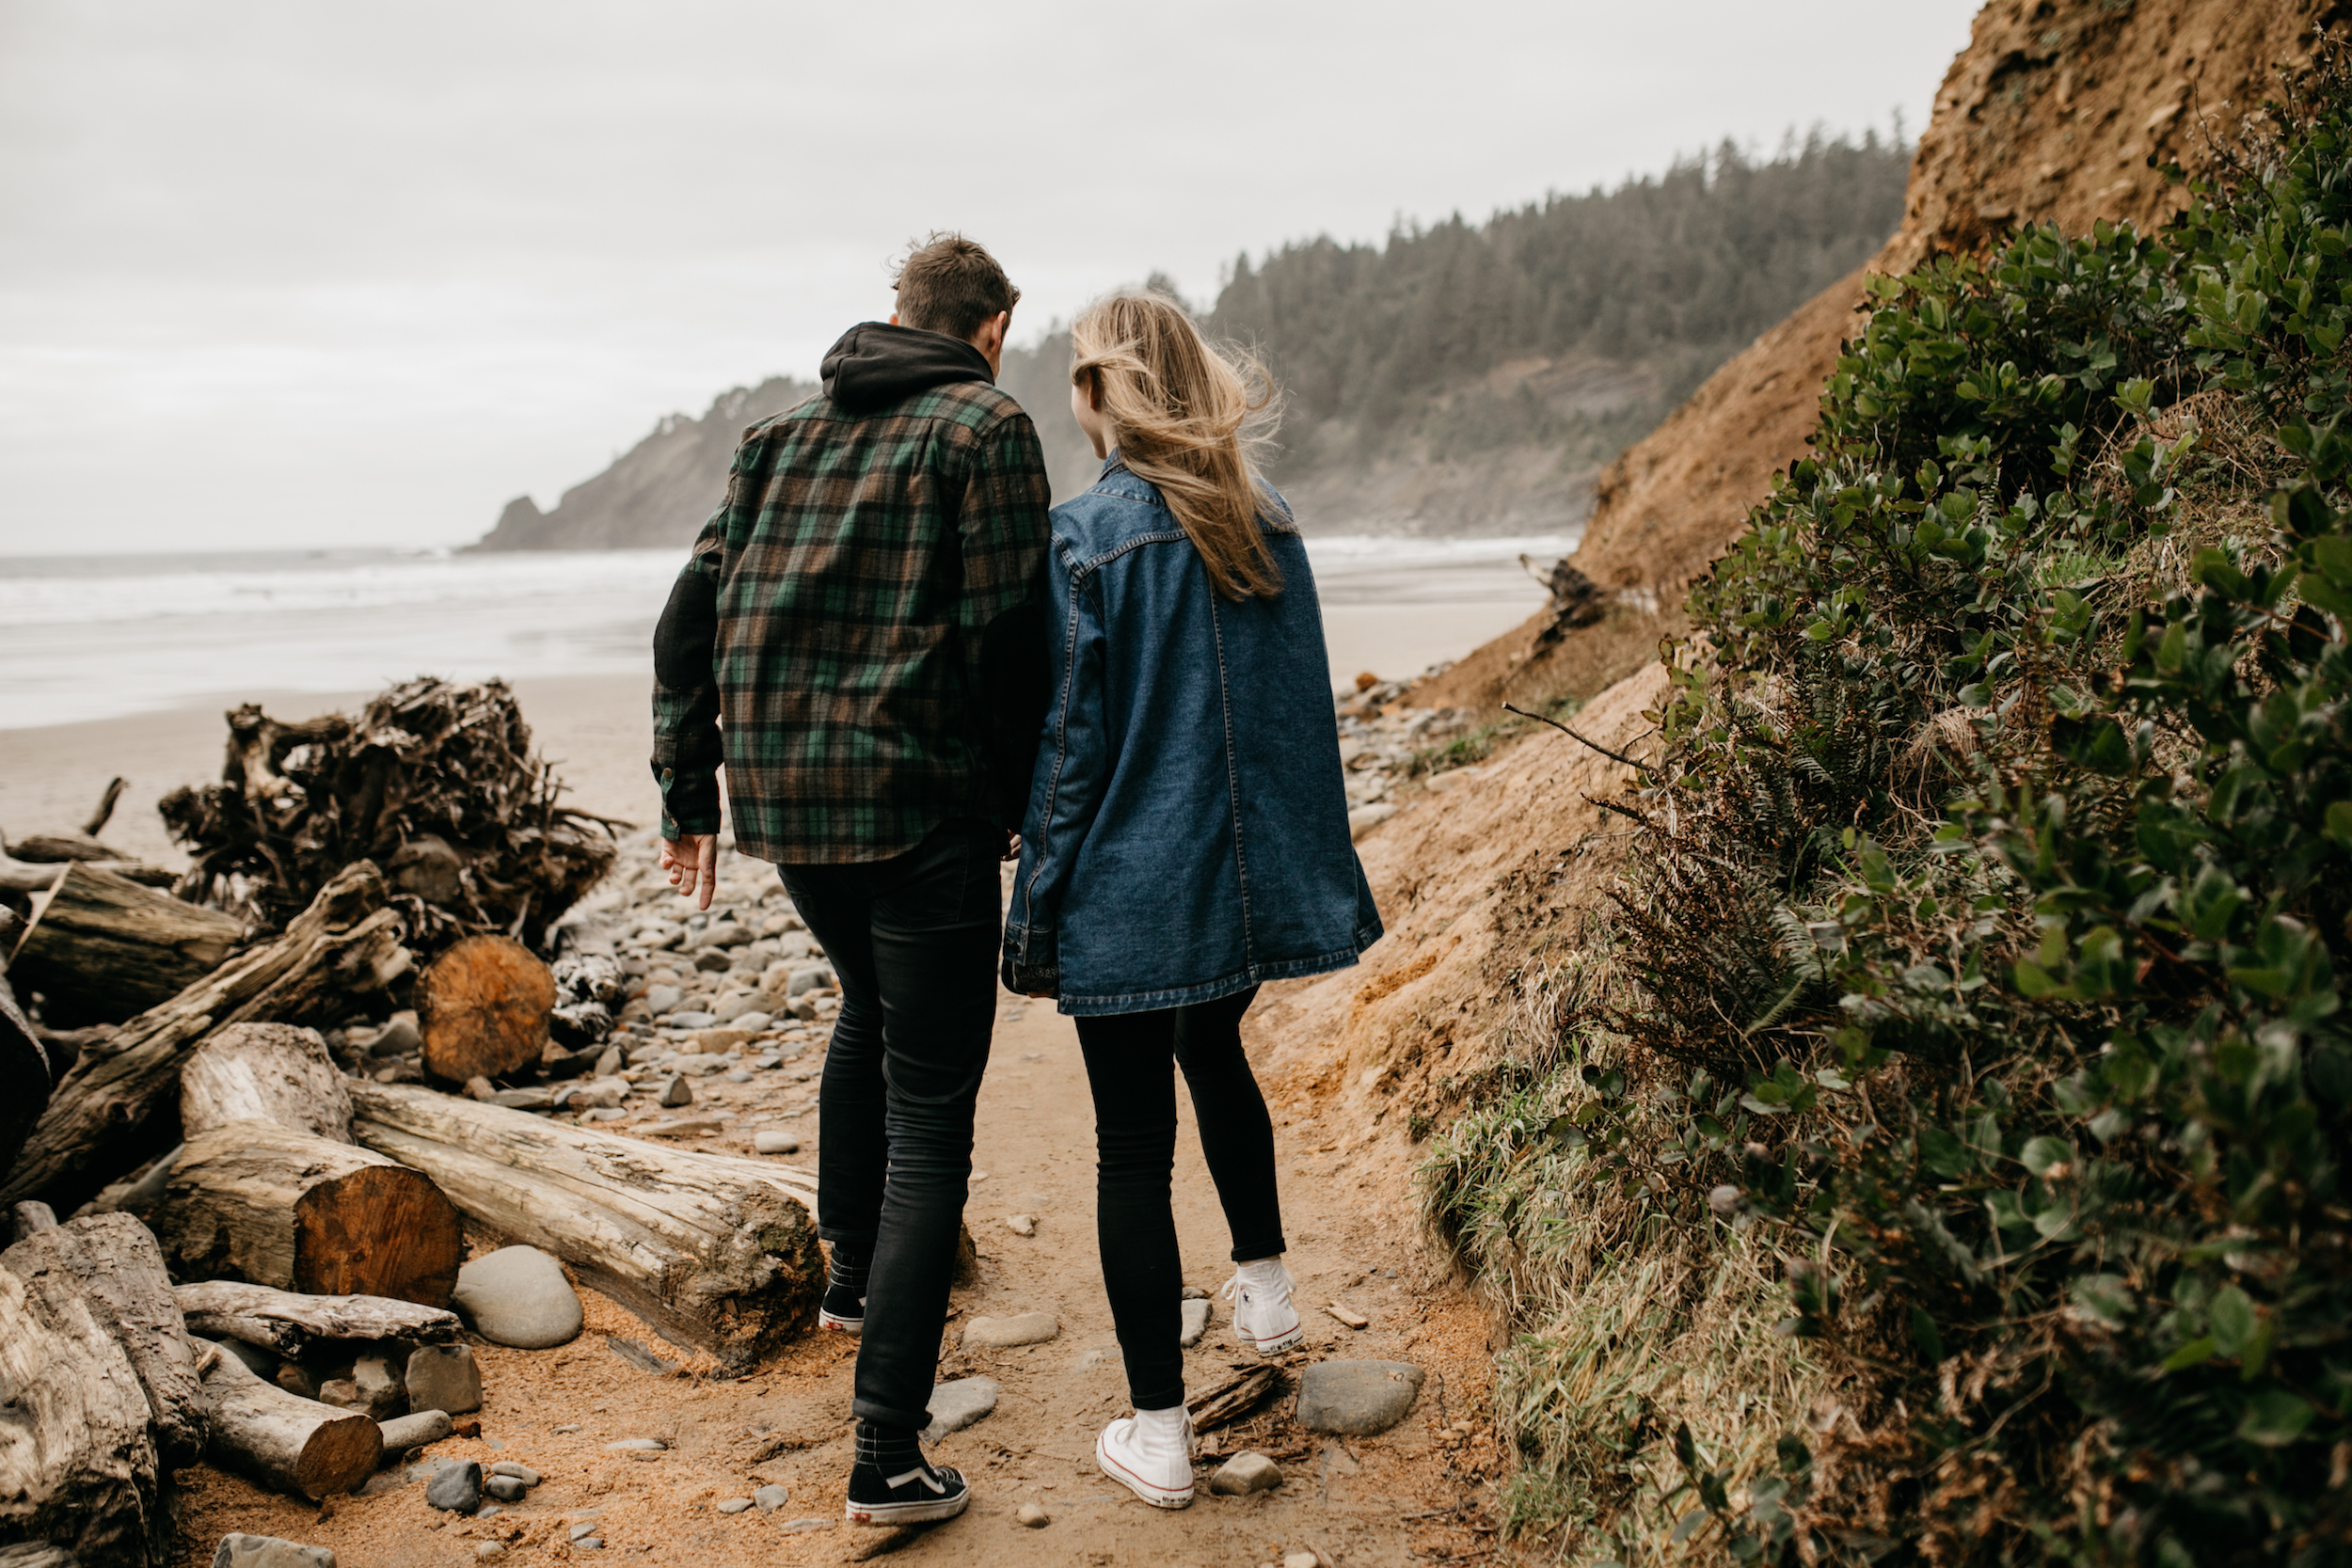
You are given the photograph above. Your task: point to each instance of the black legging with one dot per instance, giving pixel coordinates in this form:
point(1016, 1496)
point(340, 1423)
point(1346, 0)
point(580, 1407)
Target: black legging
point(1135, 1139)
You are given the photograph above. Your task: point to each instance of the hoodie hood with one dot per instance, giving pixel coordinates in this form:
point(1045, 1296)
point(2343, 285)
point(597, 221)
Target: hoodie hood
point(875, 365)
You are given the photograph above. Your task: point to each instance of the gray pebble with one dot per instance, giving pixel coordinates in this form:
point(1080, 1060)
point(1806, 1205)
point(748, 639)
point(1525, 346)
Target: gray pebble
point(958, 1404)
point(443, 1377)
point(794, 1527)
point(404, 1432)
point(1245, 1473)
point(266, 1551)
point(506, 1489)
point(770, 1499)
point(456, 1487)
point(1021, 1328)
point(675, 1092)
point(734, 1505)
point(518, 1297)
point(775, 1143)
point(639, 1445)
point(1195, 1322)
point(1357, 1398)
point(523, 1473)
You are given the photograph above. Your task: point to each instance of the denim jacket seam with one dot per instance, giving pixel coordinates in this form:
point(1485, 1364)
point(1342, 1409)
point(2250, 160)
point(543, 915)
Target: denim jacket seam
point(1232, 775)
point(1129, 545)
point(1062, 757)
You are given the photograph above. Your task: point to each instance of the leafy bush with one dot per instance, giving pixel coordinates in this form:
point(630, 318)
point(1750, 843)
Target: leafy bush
point(1979, 953)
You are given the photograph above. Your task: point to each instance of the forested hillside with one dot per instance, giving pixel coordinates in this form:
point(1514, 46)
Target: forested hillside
point(1458, 376)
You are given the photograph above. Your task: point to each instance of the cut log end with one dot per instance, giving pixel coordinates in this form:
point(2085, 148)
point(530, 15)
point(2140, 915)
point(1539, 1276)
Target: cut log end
point(282, 1440)
point(251, 1200)
point(383, 1230)
point(484, 1007)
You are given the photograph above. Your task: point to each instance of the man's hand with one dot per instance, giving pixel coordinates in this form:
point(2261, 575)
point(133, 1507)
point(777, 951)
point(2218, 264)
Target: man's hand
point(692, 863)
point(1012, 846)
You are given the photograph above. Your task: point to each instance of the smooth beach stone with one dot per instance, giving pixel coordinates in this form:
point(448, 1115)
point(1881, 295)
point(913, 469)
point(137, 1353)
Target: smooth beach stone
point(456, 1487)
point(738, 1076)
point(523, 1473)
point(1196, 1323)
point(663, 999)
point(414, 1431)
point(443, 1377)
point(958, 1404)
point(1033, 1516)
point(775, 1143)
point(1245, 1473)
point(691, 1020)
point(531, 1098)
point(1021, 1328)
point(518, 1297)
point(1357, 1398)
point(770, 1499)
point(752, 1023)
point(807, 979)
point(734, 1004)
point(506, 1489)
point(675, 1091)
point(795, 1527)
point(269, 1551)
point(734, 1505)
point(637, 1445)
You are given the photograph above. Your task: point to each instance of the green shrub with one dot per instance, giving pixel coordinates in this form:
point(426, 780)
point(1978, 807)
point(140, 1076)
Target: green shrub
point(1978, 954)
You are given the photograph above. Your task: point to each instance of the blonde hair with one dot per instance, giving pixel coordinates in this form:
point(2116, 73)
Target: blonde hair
point(1186, 418)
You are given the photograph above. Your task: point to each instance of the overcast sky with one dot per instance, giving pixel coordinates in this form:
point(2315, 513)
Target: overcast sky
point(294, 275)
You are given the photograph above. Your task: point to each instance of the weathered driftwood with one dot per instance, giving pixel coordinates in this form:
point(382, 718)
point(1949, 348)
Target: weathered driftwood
point(103, 948)
point(30, 1218)
point(284, 1441)
point(255, 1201)
point(110, 1265)
point(484, 1007)
point(436, 783)
point(274, 1072)
point(710, 1255)
point(291, 1325)
point(24, 877)
point(58, 849)
point(26, 1077)
point(37, 1554)
point(78, 1465)
point(103, 1119)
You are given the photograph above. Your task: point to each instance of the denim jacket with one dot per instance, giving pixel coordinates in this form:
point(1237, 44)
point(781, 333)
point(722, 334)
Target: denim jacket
point(1187, 834)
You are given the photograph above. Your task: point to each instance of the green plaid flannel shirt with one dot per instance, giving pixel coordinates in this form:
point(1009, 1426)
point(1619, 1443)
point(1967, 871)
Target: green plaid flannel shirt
point(855, 570)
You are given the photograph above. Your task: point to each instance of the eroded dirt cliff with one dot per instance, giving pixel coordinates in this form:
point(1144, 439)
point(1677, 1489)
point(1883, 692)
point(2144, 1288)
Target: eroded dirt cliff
point(2064, 111)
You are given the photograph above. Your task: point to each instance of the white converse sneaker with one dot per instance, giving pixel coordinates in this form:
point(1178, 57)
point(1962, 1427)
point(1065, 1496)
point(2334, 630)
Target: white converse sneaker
point(1263, 1317)
point(1150, 1454)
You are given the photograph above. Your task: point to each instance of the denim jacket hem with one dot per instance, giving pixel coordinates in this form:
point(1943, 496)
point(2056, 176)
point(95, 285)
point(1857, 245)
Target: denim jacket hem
point(1209, 991)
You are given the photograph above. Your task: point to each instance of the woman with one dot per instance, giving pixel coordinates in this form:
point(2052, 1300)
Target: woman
point(1187, 832)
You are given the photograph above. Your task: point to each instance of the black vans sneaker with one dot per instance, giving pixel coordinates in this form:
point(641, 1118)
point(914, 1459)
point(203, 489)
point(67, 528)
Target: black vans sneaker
point(843, 1311)
point(924, 1493)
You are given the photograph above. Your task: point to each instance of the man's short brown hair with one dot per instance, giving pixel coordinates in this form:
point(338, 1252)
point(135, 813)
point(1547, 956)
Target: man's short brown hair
point(952, 285)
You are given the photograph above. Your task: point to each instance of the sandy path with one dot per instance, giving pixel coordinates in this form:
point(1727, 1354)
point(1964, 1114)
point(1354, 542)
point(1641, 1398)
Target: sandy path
point(1356, 1501)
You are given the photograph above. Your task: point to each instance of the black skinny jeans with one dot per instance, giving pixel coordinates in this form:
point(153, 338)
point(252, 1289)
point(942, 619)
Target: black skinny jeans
point(913, 940)
point(1135, 1139)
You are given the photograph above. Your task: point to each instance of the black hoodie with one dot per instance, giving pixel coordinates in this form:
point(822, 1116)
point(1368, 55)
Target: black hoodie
point(876, 364)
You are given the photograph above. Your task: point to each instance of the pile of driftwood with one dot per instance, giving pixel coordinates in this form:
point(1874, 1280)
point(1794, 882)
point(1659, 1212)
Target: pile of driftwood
point(436, 783)
point(264, 1240)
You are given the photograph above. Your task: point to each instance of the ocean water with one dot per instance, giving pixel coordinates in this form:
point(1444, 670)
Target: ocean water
point(99, 636)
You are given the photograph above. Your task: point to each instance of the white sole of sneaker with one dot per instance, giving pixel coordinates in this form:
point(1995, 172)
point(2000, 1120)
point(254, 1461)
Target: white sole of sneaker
point(908, 1513)
point(1158, 1497)
point(1281, 1341)
point(831, 1324)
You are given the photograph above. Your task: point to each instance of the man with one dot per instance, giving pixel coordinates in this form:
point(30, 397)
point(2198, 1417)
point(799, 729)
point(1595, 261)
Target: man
point(865, 611)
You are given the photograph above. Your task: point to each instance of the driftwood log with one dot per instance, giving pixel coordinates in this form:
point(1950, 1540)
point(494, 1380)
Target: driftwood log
point(102, 1118)
point(292, 1325)
point(78, 1465)
point(273, 1073)
point(436, 783)
point(110, 1266)
point(713, 1257)
point(255, 1201)
point(284, 1441)
point(103, 948)
point(37, 1554)
point(26, 1077)
point(483, 1007)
